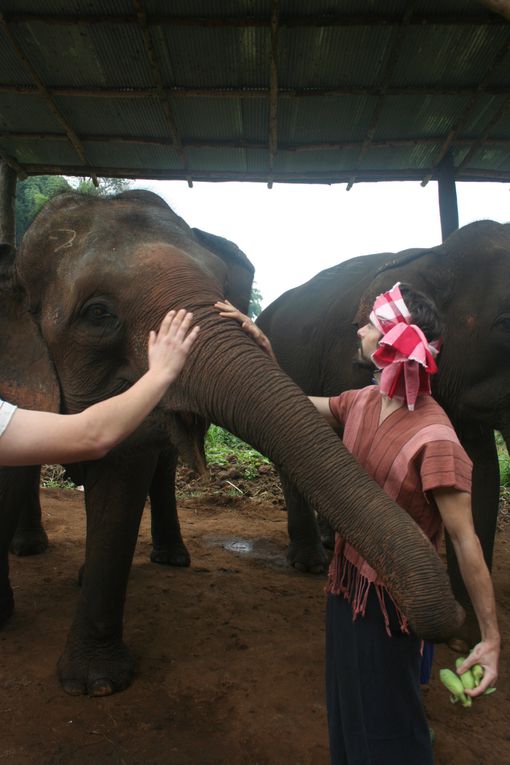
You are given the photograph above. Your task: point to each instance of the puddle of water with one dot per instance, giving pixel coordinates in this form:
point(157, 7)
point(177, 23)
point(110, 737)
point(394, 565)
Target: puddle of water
point(239, 546)
point(261, 550)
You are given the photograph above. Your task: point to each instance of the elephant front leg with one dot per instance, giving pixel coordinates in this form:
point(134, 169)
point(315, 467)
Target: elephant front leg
point(306, 552)
point(168, 547)
point(30, 537)
point(95, 660)
point(18, 489)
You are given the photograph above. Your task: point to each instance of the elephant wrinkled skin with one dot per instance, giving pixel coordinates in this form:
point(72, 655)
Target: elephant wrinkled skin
point(313, 332)
point(93, 276)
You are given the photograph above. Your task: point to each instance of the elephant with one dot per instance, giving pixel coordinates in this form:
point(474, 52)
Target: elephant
point(312, 329)
point(91, 278)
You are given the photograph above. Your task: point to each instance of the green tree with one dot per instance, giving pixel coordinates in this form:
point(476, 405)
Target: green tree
point(105, 186)
point(255, 306)
point(31, 195)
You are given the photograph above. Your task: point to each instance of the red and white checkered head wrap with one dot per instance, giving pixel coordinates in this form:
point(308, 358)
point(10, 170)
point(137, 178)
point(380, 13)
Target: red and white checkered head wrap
point(404, 355)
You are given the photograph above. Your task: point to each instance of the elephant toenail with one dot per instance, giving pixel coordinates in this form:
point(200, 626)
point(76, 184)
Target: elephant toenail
point(101, 687)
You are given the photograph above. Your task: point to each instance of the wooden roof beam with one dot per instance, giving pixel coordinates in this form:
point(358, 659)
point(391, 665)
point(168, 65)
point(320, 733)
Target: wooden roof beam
point(328, 177)
point(273, 92)
point(395, 50)
point(467, 112)
point(13, 164)
point(255, 93)
point(332, 19)
point(158, 78)
point(47, 97)
point(240, 144)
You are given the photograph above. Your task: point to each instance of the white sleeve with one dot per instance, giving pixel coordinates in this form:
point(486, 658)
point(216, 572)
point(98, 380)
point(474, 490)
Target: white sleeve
point(6, 412)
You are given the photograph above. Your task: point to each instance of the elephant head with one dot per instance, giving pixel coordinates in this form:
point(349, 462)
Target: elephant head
point(98, 274)
point(468, 277)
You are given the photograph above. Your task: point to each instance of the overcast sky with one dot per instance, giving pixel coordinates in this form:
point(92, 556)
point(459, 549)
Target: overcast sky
point(291, 232)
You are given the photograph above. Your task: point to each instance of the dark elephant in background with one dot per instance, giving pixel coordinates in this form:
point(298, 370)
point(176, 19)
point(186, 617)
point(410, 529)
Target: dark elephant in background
point(92, 277)
point(313, 332)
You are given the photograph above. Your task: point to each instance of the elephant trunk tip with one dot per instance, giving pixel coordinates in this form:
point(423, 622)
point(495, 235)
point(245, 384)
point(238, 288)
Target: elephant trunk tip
point(443, 628)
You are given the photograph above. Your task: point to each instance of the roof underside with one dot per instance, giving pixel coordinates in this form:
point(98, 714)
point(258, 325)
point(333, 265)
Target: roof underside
point(264, 90)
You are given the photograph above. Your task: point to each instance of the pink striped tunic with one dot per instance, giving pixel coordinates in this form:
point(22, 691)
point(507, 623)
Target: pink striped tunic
point(409, 455)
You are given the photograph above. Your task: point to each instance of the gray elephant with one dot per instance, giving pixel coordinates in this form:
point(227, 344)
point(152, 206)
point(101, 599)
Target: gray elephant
point(92, 277)
point(312, 329)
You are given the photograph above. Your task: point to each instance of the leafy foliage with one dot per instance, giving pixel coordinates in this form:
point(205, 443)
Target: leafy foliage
point(105, 186)
point(221, 447)
point(33, 194)
point(255, 307)
point(504, 463)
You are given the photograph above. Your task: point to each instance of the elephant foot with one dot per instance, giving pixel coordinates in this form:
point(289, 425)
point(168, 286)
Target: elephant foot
point(311, 559)
point(29, 542)
point(171, 555)
point(95, 671)
point(6, 607)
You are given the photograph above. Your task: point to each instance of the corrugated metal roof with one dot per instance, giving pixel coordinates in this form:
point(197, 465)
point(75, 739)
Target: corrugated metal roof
point(295, 90)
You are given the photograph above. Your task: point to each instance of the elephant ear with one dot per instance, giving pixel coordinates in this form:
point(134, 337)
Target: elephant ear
point(430, 271)
point(240, 271)
point(27, 376)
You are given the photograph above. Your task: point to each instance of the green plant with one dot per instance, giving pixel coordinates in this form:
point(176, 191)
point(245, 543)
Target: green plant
point(504, 463)
point(222, 448)
point(54, 477)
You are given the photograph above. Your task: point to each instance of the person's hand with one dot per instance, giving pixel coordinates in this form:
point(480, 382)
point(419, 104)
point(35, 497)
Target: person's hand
point(485, 653)
point(229, 311)
point(170, 345)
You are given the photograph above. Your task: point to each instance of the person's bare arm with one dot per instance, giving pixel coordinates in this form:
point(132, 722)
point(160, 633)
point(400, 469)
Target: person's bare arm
point(33, 438)
point(321, 403)
point(455, 509)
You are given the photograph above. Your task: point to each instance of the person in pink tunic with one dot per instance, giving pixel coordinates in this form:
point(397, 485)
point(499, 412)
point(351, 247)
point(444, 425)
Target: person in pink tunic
point(405, 441)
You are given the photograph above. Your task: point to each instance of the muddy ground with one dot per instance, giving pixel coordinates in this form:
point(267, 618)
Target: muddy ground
point(229, 652)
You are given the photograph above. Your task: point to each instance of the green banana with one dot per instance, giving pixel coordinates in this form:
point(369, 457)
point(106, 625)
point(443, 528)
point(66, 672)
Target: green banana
point(467, 679)
point(477, 672)
point(454, 684)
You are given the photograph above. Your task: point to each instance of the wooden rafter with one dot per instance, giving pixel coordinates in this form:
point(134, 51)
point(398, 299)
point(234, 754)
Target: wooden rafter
point(13, 164)
point(395, 50)
point(467, 112)
point(160, 86)
point(306, 20)
point(273, 92)
point(391, 143)
point(255, 93)
point(47, 97)
point(329, 176)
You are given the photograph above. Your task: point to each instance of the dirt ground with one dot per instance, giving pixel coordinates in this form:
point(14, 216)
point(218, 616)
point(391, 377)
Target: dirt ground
point(229, 652)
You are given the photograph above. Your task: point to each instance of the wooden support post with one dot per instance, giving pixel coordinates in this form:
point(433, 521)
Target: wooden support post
point(7, 205)
point(447, 192)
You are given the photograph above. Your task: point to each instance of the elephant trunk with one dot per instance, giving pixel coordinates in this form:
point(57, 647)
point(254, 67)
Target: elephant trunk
point(233, 383)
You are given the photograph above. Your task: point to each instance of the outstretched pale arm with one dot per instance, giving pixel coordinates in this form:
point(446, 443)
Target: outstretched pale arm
point(455, 509)
point(33, 438)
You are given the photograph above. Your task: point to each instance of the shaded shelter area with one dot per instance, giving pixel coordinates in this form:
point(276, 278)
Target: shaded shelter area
point(262, 90)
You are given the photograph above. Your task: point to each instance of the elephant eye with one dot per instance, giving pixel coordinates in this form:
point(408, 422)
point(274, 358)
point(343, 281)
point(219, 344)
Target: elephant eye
point(503, 322)
point(97, 313)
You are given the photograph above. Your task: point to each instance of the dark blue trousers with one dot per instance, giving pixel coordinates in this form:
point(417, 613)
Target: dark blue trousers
point(375, 710)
